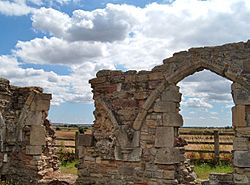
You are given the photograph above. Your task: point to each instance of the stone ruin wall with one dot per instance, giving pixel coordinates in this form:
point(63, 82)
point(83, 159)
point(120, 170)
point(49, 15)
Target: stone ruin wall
point(135, 133)
point(26, 136)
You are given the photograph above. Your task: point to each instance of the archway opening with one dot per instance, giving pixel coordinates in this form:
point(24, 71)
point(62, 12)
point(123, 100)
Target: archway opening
point(206, 109)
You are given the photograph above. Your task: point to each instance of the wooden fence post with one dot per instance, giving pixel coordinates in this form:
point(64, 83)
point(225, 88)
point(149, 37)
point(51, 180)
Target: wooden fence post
point(216, 147)
point(76, 145)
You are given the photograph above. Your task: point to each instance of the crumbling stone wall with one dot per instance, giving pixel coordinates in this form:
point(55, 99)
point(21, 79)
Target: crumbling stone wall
point(135, 133)
point(26, 136)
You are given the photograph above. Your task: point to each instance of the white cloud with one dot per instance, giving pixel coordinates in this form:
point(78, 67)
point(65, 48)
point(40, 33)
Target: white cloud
point(197, 23)
point(16, 8)
point(51, 21)
point(57, 51)
point(141, 37)
point(24, 7)
point(206, 86)
point(105, 25)
point(137, 38)
point(71, 88)
point(197, 103)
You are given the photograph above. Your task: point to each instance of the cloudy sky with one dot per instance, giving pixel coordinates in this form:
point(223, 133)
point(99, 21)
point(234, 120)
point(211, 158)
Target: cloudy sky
point(60, 44)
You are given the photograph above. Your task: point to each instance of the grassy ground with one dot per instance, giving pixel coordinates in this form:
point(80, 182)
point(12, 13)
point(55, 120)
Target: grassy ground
point(204, 169)
point(69, 168)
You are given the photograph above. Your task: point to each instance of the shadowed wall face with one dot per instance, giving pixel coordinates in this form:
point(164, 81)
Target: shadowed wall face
point(135, 133)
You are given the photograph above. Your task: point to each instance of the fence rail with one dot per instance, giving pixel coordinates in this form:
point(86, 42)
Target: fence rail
point(215, 140)
point(216, 136)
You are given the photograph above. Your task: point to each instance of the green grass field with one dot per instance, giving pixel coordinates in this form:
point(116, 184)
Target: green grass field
point(203, 170)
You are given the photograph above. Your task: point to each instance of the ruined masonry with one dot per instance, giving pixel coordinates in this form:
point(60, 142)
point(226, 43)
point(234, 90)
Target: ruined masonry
point(26, 136)
point(135, 133)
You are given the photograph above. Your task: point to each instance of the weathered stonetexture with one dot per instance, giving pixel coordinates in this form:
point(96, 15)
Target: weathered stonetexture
point(171, 94)
point(164, 137)
point(239, 116)
point(241, 179)
point(85, 140)
point(220, 179)
point(161, 106)
point(33, 150)
point(241, 143)
point(37, 135)
point(172, 119)
point(242, 132)
point(168, 156)
point(240, 94)
point(135, 132)
point(241, 159)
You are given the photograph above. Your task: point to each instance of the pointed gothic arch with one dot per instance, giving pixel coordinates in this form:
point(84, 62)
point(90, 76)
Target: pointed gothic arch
point(145, 107)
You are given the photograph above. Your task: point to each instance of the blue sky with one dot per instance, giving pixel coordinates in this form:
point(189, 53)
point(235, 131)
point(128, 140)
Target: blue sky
point(61, 44)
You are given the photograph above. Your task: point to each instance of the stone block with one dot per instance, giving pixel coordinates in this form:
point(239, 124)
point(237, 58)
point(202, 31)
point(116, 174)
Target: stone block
point(141, 95)
point(165, 107)
point(204, 182)
point(126, 170)
point(241, 143)
point(242, 131)
point(164, 137)
point(172, 119)
point(136, 139)
point(147, 138)
point(99, 80)
point(241, 179)
point(141, 77)
point(246, 66)
point(169, 174)
point(242, 159)
point(43, 96)
point(33, 150)
point(107, 88)
point(156, 76)
point(151, 123)
point(102, 73)
point(215, 178)
point(154, 84)
point(239, 116)
point(172, 94)
point(130, 78)
point(85, 140)
point(80, 152)
point(135, 155)
point(40, 105)
point(118, 153)
point(34, 118)
point(37, 135)
point(168, 156)
point(240, 94)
